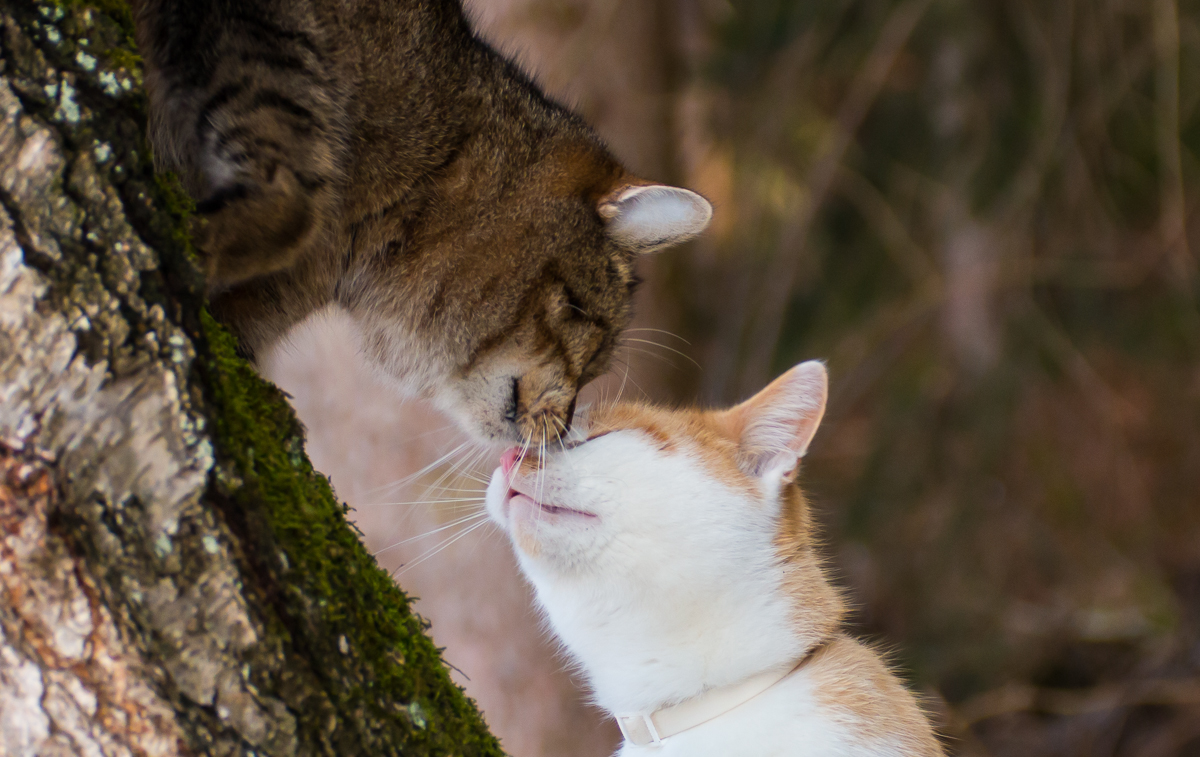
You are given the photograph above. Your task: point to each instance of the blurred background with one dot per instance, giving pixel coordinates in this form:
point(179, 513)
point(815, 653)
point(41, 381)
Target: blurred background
point(984, 216)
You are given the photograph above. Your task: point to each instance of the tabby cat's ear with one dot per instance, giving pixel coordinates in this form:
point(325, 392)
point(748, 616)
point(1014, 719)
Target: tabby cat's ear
point(649, 217)
point(777, 424)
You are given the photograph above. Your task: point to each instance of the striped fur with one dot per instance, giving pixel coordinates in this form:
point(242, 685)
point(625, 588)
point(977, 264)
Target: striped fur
point(376, 155)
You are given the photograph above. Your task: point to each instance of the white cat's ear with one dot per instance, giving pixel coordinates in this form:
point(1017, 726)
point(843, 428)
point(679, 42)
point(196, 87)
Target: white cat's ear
point(778, 423)
point(652, 216)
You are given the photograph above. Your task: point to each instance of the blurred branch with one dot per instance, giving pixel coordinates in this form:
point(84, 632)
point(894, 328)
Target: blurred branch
point(1114, 410)
point(1054, 62)
point(1108, 403)
point(595, 26)
point(1173, 219)
point(877, 345)
point(1015, 697)
point(863, 92)
point(909, 256)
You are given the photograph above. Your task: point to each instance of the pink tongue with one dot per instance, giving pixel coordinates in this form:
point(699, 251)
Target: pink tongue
point(509, 459)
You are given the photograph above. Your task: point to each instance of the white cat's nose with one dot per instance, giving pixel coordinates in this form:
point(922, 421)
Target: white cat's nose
point(509, 459)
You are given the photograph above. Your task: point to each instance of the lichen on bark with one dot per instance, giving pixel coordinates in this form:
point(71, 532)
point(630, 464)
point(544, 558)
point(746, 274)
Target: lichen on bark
point(174, 575)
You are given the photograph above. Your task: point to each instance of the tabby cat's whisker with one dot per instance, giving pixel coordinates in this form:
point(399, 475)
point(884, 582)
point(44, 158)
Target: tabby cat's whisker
point(521, 455)
point(559, 434)
point(665, 347)
point(654, 355)
point(541, 482)
point(621, 388)
point(661, 331)
point(409, 439)
point(471, 469)
point(631, 380)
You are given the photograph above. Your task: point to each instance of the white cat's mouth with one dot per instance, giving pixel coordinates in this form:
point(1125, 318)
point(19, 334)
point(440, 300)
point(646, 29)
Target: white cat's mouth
point(516, 498)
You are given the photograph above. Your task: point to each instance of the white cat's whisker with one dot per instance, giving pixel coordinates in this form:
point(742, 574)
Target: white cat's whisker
point(439, 548)
point(463, 463)
point(417, 474)
point(469, 490)
point(439, 529)
point(436, 548)
point(421, 502)
point(433, 502)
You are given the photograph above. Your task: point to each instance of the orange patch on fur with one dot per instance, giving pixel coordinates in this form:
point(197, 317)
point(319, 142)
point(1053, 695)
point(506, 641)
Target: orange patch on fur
point(707, 434)
point(817, 606)
point(527, 543)
point(857, 690)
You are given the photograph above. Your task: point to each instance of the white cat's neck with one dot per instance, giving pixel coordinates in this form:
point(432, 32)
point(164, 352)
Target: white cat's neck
point(641, 651)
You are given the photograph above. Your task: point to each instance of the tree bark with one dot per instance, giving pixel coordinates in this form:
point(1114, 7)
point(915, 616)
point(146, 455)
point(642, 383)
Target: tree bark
point(174, 576)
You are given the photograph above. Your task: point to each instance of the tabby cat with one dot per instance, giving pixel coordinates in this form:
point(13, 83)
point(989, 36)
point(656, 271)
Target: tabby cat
point(377, 155)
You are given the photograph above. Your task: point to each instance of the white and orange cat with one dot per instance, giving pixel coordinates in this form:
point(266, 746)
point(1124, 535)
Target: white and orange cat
point(674, 555)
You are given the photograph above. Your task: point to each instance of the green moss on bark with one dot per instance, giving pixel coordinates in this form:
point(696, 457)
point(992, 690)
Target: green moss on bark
point(338, 605)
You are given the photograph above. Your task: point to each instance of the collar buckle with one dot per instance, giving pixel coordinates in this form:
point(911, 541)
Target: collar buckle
point(638, 728)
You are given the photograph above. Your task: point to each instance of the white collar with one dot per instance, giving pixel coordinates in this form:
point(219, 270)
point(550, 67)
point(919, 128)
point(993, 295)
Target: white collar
point(650, 728)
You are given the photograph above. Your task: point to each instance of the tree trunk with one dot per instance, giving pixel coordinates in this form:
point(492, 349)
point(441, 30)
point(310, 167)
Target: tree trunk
point(174, 576)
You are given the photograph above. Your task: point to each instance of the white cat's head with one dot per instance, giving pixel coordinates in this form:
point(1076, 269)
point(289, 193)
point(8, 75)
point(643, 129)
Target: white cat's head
point(667, 535)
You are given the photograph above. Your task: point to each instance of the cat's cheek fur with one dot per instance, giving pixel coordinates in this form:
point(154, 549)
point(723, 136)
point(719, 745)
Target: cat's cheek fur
point(479, 403)
point(400, 359)
point(495, 498)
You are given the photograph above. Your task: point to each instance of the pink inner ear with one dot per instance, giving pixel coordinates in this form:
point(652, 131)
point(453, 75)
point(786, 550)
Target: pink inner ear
point(777, 424)
point(607, 205)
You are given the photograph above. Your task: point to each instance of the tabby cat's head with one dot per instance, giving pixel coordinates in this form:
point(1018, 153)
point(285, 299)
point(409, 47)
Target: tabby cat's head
point(513, 295)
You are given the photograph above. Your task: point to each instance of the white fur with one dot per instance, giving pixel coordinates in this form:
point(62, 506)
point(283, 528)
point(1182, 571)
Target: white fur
point(651, 217)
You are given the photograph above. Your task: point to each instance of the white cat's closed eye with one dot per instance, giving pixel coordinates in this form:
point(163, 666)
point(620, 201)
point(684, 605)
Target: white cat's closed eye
point(577, 442)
